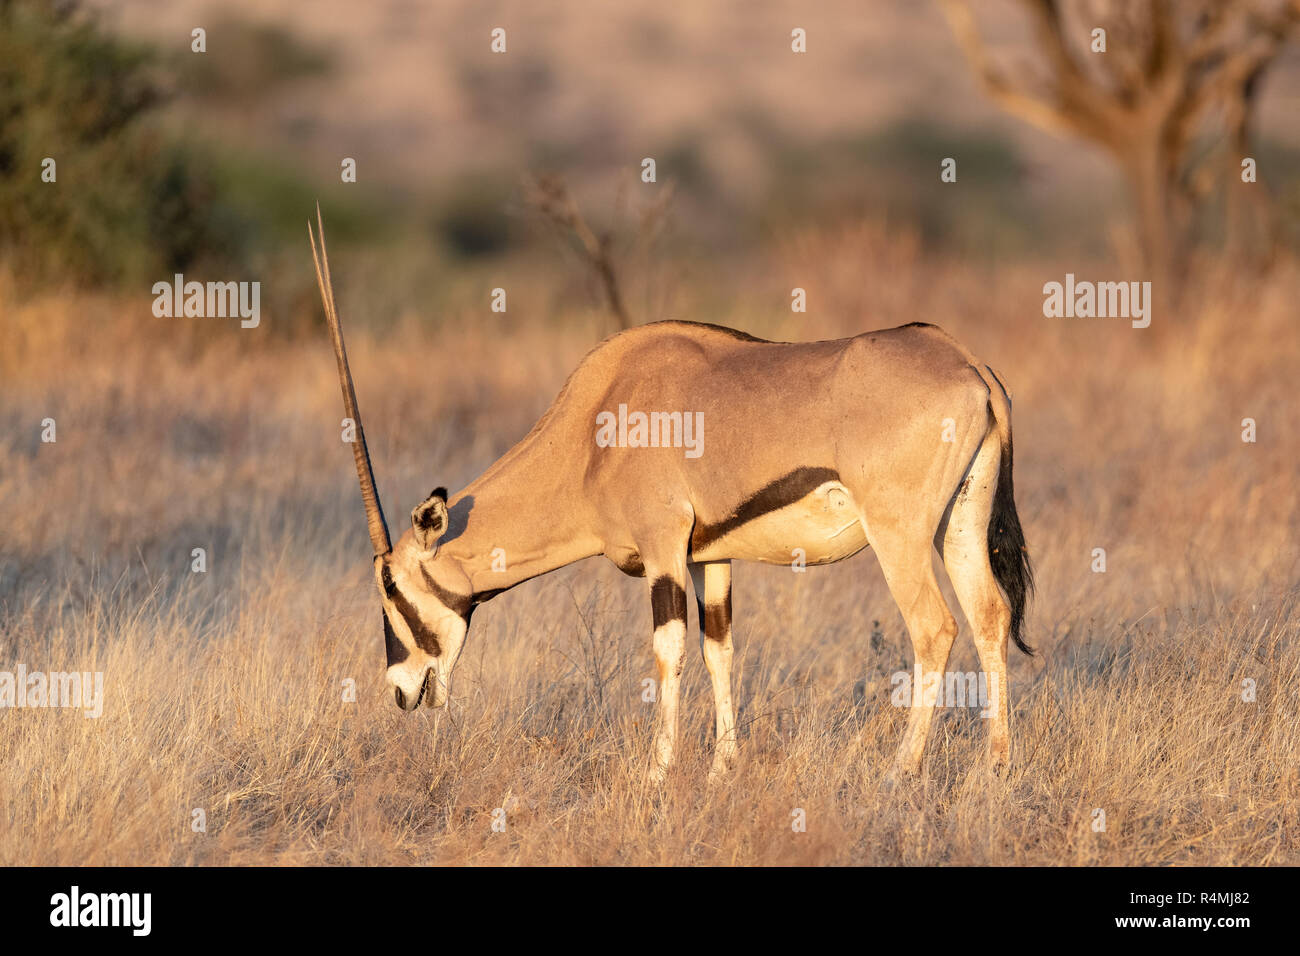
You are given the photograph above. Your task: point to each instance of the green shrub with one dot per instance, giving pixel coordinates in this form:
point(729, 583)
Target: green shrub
point(126, 204)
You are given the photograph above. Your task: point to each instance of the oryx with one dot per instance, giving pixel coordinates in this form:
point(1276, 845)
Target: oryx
point(897, 439)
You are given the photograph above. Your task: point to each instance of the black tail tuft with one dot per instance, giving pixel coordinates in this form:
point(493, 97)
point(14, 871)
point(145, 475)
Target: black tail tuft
point(1007, 552)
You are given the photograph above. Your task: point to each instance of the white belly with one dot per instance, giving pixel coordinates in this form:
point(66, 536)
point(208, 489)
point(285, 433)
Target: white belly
point(819, 528)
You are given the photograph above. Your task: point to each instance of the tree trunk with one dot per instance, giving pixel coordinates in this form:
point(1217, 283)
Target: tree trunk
point(1146, 171)
point(1250, 227)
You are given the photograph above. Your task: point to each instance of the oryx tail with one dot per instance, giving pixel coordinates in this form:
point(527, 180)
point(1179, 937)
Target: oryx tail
point(1007, 553)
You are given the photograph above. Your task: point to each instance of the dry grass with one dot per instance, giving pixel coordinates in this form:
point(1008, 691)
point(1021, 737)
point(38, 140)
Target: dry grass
point(224, 689)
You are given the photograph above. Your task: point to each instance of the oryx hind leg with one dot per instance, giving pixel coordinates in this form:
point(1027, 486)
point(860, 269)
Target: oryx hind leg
point(963, 542)
point(713, 599)
point(906, 559)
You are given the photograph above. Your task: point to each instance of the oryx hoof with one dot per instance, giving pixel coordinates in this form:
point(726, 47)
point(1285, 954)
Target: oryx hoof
point(1000, 764)
point(898, 777)
point(723, 764)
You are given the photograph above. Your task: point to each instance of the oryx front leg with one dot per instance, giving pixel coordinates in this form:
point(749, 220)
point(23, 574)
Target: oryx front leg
point(668, 606)
point(713, 598)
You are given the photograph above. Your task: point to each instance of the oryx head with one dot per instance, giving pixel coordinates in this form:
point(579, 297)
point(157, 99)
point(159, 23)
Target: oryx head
point(425, 601)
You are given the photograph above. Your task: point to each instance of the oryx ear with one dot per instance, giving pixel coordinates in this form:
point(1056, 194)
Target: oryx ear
point(429, 519)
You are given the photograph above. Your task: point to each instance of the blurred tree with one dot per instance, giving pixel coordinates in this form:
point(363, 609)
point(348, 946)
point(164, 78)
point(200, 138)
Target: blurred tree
point(256, 60)
point(549, 197)
point(126, 205)
point(1172, 75)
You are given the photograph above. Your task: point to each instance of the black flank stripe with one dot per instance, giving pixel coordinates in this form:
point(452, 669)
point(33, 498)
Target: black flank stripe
point(776, 495)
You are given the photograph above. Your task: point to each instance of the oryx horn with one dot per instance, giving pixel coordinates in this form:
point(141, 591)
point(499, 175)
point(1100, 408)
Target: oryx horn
point(365, 474)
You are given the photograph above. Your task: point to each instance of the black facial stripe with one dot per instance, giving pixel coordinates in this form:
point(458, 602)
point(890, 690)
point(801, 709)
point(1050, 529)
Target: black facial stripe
point(395, 649)
point(457, 603)
point(667, 601)
point(784, 491)
point(425, 639)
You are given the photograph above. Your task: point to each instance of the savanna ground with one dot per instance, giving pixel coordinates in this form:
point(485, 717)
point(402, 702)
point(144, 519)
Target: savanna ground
point(225, 689)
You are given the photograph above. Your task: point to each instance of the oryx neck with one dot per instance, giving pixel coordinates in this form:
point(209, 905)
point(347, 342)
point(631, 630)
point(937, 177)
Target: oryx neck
point(510, 535)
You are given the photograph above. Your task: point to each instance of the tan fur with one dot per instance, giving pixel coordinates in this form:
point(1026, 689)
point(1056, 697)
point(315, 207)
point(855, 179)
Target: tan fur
point(811, 451)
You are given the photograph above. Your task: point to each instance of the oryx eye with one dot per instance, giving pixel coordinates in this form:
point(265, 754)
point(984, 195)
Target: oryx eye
point(389, 587)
